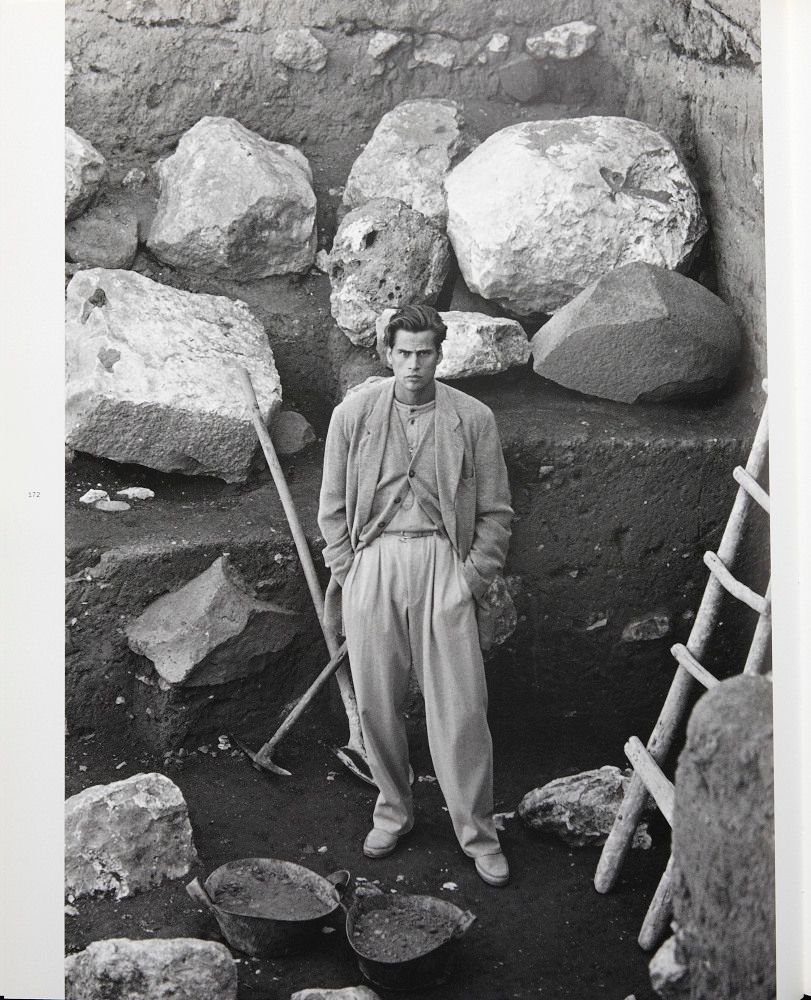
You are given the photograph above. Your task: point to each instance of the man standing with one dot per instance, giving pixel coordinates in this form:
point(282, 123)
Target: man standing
point(415, 511)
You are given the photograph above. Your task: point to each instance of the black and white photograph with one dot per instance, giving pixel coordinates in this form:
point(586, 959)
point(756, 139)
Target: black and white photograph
point(416, 506)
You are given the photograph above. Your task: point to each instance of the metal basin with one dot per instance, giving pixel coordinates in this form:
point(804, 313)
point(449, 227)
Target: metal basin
point(266, 907)
point(419, 963)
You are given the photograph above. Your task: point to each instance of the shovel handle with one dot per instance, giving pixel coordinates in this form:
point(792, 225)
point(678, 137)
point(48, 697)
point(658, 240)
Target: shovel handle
point(287, 503)
point(198, 893)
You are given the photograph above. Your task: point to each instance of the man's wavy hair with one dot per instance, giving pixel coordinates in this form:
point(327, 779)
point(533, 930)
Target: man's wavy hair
point(416, 319)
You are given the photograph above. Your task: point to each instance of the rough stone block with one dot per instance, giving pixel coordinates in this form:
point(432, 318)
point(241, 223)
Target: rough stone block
point(159, 969)
point(126, 836)
point(151, 375)
point(542, 209)
point(298, 48)
point(640, 333)
point(85, 172)
point(211, 631)
point(476, 344)
point(409, 155)
point(521, 79)
point(348, 993)
point(723, 843)
point(669, 973)
point(384, 254)
point(580, 808)
point(234, 204)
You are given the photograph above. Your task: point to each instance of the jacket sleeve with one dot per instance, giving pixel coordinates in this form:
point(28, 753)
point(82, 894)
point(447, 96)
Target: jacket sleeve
point(491, 535)
point(332, 515)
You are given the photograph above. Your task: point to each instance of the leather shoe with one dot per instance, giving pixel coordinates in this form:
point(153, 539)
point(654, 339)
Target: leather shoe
point(492, 868)
point(379, 843)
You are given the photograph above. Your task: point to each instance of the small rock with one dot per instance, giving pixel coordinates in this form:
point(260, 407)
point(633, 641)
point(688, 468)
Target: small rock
point(580, 808)
point(437, 51)
point(656, 625)
point(564, 41)
point(545, 471)
point(322, 261)
point(429, 778)
point(450, 886)
point(348, 993)
point(298, 48)
point(71, 911)
point(156, 969)
point(85, 172)
point(521, 78)
point(126, 836)
point(92, 496)
point(669, 972)
point(498, 43)
point(136, 493)
point(103, 236)
point(500, 819)
point(382, 42)
point(135, 177)
point(111, 506)
point(121, 700)
point(291, 432)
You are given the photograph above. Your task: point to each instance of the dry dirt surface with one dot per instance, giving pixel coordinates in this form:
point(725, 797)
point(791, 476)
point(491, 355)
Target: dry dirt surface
point(546, 934)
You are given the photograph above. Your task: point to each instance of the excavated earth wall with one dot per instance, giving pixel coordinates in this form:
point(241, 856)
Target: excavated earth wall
point(615, 504)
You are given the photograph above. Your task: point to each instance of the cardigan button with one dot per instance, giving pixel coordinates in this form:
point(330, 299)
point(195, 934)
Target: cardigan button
point(410, 473)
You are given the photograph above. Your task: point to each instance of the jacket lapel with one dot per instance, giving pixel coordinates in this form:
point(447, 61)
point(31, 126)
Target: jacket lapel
point(450, 449)
point(370, 453)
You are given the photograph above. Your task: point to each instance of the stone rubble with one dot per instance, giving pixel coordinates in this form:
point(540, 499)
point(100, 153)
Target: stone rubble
point(564, 41)
point(542, 209)
point(85, 172)
point(234, 204)
point(640, 333)
point(152, 969)
point(298, 48)
point(475, 344)
point(127, 836)
point(655, 625)
point(136, 493)
point(409, 155)
point(111, 506)
point(151, 375)
point(385, 254)
point(211, 631)
point(580, 808)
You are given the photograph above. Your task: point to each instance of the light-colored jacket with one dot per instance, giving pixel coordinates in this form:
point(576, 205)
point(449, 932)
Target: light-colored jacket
point(474, 492)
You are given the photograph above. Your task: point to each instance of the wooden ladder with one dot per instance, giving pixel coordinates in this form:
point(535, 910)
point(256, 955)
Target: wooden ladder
point(646, 760)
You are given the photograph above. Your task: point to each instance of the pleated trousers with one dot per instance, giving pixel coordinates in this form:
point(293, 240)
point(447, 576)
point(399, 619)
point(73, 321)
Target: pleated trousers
point(406, 601)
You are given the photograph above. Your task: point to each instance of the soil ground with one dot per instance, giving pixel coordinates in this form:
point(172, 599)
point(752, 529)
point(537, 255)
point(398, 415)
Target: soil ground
point(546, 934)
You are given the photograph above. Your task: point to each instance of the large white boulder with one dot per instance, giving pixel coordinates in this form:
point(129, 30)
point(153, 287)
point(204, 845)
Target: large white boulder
point(212, 630)
point(475, 344)
point(234, 204)
point(408, 157)
point(385, 254)
point(85, 172)
point(126, 836)
point(151, 375)
point(640, 333)
point(580, 808)
point(152, 969)
point(543, 208)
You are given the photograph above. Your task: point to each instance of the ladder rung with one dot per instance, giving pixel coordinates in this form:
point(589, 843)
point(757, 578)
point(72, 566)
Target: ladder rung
point(752, 487)
point(652, 776)
point(735, 587)
point(692, 666)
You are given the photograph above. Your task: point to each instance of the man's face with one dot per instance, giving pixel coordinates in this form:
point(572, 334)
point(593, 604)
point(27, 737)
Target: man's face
point(413, 359)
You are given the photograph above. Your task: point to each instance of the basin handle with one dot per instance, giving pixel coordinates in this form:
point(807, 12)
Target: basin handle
point(199, 895)
point(339, 879)
point(464, 923)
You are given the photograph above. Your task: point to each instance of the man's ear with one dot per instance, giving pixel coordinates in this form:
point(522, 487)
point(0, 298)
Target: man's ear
point(388, 357)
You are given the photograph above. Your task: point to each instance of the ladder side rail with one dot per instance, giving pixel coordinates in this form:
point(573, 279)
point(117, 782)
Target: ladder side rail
point(657, 919)
point(759, 648)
